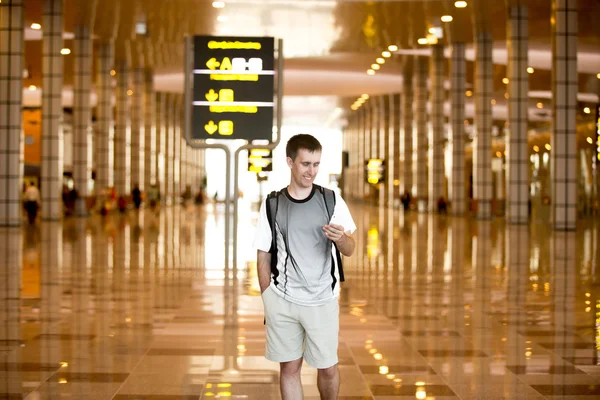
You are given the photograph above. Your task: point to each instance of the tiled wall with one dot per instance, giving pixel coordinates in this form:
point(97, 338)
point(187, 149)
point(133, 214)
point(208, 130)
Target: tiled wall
point(11, 142)
point(563, 156)
point(52, 111)
point(436, 132)
point(420, 131)
point(82, 118)
point(517, 160)
point(482, 143)
point(458, 79)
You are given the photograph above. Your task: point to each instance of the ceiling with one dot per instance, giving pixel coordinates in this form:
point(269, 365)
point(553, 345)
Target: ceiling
point(328, 45)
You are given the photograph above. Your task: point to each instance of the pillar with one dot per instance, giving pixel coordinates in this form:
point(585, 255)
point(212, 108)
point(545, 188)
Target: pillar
point(517, 156)
point(137, 122)
point(123, 124)
point(82, 114)
point(104, 138)
point(149, 130)
point(482, 143)
point(458, 78)
point(52, 112)
point(177, 149)
point(11, 132)
point(362, 151)
point(169, 137)
point(406, 129)
point(420, 131)
point(394, 148)
point(436, 132)
point(160, 143)
point(563, 156)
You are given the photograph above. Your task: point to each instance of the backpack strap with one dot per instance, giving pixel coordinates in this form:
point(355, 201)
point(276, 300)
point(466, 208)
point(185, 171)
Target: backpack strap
point(272, 206)
point(329, 196)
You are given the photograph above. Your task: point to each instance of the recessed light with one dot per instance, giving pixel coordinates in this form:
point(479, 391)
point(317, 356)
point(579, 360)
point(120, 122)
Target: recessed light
point(540, 105)
point(493, 102)
point(129, 92)
point(506, 95)
point(469, 93)
point(587, 110)
point(65, 51)
point(460, 4)
point(218, 4)
point(386, 54)
point(380, 60)
point(364, 96)
point(447, 18)
point(590, 140)
point(422, 41)
point(498, 154)
point(530, 70)
point(222, 18)
point(393, 47)
point(598, 76)
point(32, 87)
point(36, 26)
point(113, 72)
point(505, 81)
point(370, 72)
point(548, 147)
point(375, 66)
point(536, 148)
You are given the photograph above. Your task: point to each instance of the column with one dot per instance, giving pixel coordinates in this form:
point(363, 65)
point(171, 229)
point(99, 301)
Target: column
point(11, 133)
point(149, 130)
point(458, 78)
point(123, 123)
point(362, 157)
point(482, 143)
point(52, 112)
point(169, 136)
point(420, 132)
point(82, 115)
point(517, 157)
point(563, 156)
point(137, 121)
point(177, 149)
point(393, 148)
point(105, 133)
point(384, 153)
point(436, 132)
point(160, 143)
point(183, 166)
point(406, 129)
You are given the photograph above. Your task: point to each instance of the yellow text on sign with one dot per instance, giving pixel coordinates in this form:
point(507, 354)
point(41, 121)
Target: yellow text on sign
point(214, 44)
point(223, 95)
point(225, 128)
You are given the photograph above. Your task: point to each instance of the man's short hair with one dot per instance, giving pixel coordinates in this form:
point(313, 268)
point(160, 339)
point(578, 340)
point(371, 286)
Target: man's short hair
point(301, 141)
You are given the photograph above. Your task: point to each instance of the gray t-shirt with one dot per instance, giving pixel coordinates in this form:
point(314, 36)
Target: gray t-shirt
point(306, 273)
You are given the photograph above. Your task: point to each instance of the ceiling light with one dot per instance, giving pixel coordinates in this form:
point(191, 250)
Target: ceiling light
point(548, 147)
point(422, 41)
point(590, 140)
point(113, 72)
point(386, 54)
point(460, 4)
point(370, 72)
point(598, 76)
point(498, 154)
point(393, 47)
point(375, 66)
point(493, 102)
point(540, 105)
point(447, 18)
point(587, 110)
point(530, 70)
point(129, 92)
point(353, 107)
point(364, 96)
point(65, 51)
point(380, 61)
point(536, 149)
point(469, 93)
point(506, 95)
point(36, 26)
point(222, 18)
point(505, 81)
point(32, 87)
point(218, 4)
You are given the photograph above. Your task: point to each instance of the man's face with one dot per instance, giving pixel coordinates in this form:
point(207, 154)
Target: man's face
point(305, 167)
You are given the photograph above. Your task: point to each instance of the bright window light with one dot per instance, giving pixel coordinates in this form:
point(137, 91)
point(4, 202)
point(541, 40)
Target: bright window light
point(222, 18)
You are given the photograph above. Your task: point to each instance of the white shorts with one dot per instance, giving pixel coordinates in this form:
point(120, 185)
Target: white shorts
point(295, 331)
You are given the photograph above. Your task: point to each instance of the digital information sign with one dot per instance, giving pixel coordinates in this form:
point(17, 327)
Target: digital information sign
point(233, 80)
point(260, 160)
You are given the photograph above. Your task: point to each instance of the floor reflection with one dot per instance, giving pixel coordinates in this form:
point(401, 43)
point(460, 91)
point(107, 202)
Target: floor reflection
point(140, 307)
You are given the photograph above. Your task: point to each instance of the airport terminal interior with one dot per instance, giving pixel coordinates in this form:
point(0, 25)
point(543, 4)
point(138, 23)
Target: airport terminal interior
point(138, 139)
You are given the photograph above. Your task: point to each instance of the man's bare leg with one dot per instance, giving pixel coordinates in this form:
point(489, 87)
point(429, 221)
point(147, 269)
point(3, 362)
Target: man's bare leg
point(328, 382)
point(289, 380)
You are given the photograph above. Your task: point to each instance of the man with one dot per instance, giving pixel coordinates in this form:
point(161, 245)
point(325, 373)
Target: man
point(31, 199)
point(300, 290)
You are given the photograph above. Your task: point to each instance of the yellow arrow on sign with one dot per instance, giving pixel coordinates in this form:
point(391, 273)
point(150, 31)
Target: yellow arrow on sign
point(212, 95)
point(212, 63)
point(211, 127)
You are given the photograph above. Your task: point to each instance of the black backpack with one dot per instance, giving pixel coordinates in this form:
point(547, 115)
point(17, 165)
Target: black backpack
point(272, 206)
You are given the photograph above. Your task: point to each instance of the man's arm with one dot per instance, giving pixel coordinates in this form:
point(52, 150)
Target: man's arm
point(346, 245)
point(263, 265)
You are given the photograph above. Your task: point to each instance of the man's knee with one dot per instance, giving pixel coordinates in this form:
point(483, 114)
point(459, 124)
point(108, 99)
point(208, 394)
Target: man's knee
point(329, 373)
point(291, 367)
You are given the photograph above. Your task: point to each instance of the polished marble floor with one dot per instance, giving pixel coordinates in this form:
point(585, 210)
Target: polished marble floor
point(141, 307)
